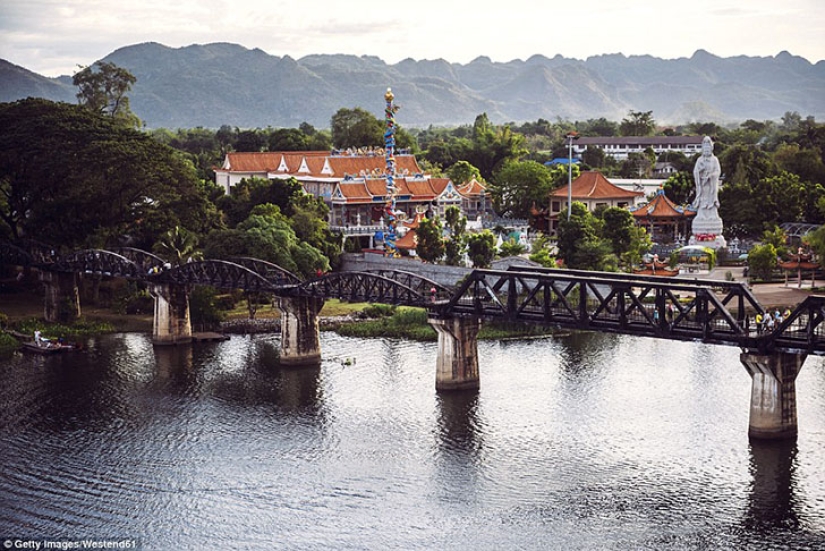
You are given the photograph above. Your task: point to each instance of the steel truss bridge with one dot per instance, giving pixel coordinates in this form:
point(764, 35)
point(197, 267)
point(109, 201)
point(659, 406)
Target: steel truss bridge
point(669, 308)
point(249, 274)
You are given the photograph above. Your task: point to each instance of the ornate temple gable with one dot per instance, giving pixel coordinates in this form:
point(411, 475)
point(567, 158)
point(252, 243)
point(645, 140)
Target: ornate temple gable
point(282, 166)
point(304, 168)
point(327, 170)
point(449, 193)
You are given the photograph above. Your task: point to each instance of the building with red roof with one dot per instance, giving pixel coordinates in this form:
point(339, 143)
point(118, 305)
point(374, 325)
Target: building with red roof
point(592, 189)
point(665, 221)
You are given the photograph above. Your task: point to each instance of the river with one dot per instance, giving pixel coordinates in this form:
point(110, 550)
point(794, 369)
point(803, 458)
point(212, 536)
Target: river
point(584, 442)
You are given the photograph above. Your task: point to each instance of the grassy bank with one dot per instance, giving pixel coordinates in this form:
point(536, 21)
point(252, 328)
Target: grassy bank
point(404, 322)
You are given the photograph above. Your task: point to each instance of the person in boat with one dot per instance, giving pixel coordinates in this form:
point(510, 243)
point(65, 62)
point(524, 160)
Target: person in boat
point(759, 321)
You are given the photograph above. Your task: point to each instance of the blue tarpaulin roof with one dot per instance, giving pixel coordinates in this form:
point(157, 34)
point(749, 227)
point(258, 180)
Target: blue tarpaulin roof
point(560, 161)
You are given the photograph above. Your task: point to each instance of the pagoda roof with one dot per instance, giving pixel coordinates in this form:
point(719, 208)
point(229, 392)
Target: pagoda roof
point(472, 188)
point(593, 185)
point(661, 207)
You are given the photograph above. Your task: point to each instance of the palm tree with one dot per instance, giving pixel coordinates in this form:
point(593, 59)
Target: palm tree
point(178, 246)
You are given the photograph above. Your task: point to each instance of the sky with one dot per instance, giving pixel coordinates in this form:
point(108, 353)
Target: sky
point(56, 37)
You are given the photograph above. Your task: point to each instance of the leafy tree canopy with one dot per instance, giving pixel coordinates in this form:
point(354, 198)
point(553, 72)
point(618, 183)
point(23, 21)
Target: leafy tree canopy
point(519, 185)
point(430, 242)
point(72, 177)
point(103, 88)
point(481, 248)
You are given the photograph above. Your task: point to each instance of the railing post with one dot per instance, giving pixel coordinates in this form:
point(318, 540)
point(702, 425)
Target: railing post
point(584, 319)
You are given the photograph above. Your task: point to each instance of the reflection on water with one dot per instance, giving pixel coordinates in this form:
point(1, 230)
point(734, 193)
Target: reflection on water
point(589, 441)
point(770, 504)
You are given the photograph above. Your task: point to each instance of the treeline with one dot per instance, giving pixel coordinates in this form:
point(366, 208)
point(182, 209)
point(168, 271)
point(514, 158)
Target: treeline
point(773, 172)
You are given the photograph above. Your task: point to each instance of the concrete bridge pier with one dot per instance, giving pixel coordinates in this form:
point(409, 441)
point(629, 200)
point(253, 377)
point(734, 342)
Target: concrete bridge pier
point(172, 324)
point(300, 335)
point(457, 361)
point(62, 303)
point(773, 393)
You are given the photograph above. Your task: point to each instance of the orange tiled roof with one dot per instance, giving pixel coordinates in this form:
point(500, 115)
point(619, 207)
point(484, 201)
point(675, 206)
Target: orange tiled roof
point(317, 164)
point(661, 207)
point(355, 191)
point(593, 185)
point(360, 190)
point(439, 185)
point(473, 187)
point(416, 187)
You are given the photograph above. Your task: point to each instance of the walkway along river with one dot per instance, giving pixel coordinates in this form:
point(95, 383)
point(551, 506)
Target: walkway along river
point(592, 441)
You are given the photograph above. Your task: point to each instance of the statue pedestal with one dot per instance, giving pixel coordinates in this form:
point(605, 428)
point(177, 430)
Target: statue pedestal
point(716, 243)
point(706, 229)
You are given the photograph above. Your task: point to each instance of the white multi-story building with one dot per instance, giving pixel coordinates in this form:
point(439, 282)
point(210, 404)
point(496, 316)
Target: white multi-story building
point(620, 147)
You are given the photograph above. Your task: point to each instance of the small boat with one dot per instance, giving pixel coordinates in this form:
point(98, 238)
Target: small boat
point(47, 349)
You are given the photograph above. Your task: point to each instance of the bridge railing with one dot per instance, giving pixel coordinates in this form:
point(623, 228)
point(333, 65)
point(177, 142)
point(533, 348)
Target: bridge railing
point(622, 303)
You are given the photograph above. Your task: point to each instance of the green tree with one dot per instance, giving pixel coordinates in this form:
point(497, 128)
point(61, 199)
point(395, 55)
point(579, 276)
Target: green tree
point(178, 246)
point(637, 123)
point(102, 89)
point(268, 235)
point(430, 243)
point(762, 261)
point(540, 251)
point(72, 177)
point(511, 247)
point(481, 248)
point(679, 188)
point(248, 193)
point(594, 157)
point(579, 243)
point(356, 128)
point(778, 239)
point(493, 146)
point(518, 186)
point(816, 241)
point(618, 229)
point(462, 172)
point(456, 244)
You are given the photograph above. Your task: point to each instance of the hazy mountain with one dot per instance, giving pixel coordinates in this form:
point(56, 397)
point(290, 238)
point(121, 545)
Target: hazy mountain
point(216, 84)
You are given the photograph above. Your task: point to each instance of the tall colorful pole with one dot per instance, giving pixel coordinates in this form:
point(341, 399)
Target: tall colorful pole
point(390, 248)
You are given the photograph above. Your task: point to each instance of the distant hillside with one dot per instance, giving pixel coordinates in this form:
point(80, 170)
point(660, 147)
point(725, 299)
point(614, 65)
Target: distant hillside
point(216, 84)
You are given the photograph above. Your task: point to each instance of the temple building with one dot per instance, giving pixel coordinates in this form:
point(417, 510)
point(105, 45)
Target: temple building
point(354, 185)
point(593, 190)
point(664, 221)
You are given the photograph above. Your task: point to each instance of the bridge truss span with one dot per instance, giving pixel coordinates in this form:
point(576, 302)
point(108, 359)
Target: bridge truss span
point(420, 284)
point(216, 273)
point(98, 262)
point(712, 312)
point(359, 287)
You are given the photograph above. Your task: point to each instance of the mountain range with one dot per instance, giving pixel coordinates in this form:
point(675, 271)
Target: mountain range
point(227, 84)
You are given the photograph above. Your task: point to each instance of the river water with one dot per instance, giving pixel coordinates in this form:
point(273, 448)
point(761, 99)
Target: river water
point(584, 442)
